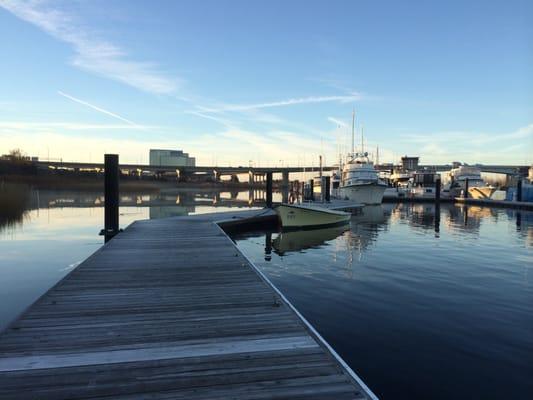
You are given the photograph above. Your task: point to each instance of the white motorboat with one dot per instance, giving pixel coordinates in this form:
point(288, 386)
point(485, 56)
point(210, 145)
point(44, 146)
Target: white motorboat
point(308, 216)
point(360, 182)
point(477, 188)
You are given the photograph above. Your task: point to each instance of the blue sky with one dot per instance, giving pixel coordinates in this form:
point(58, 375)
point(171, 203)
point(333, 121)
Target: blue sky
point(268, 82)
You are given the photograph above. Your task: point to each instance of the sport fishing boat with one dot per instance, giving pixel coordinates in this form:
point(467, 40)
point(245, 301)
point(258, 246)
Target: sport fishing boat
point(360, 182)
point(477, 188)
point(304, 216)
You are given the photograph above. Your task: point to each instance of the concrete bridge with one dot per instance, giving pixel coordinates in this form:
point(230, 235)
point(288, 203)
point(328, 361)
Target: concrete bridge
point(255, 173)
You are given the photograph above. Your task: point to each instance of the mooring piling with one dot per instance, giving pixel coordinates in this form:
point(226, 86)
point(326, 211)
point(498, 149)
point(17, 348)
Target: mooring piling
point(111, 191)
point(269, 189)
point(437, 190)
point(326, 188)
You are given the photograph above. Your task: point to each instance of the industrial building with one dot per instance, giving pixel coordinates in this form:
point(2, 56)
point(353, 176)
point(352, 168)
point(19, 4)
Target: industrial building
point(175, 158)
point(409, 163)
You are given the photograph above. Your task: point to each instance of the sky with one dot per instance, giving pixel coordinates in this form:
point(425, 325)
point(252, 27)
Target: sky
point(268, 83)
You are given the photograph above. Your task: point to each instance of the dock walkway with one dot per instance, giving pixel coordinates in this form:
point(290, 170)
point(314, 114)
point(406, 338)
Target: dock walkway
point(169, 309)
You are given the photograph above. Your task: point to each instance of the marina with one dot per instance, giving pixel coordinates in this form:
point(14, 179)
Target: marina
point(367, 223)
point(266, 200)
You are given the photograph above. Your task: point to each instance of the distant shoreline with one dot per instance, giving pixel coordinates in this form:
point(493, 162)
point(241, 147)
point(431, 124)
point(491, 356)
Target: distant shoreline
point(85, 183)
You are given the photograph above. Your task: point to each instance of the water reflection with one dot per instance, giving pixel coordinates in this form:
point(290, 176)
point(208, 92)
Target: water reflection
point(18, 200)
point(366, 226)
point(438, 292)
point(305, 239)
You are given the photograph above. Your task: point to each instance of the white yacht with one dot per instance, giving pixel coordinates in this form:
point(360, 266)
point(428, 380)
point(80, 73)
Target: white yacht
point(360, 182)
point(477, 188)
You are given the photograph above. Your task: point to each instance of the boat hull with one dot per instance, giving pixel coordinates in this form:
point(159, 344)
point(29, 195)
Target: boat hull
point(364, 194)
point(301, 217)
point(481, 192)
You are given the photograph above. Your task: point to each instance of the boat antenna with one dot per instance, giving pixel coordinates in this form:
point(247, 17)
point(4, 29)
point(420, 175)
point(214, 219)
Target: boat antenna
point(362, 143)
point(353, 130)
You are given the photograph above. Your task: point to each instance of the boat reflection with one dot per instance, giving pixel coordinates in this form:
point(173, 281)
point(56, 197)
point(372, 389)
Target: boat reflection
point(293, 241)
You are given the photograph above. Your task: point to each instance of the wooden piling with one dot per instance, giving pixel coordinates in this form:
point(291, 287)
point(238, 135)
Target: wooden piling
point(326, 187)
point(111, 192)
point(269, 189)
point(437, 190)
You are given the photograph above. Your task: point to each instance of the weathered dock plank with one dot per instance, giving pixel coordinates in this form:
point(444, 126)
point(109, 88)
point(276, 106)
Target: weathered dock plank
point(169, 309)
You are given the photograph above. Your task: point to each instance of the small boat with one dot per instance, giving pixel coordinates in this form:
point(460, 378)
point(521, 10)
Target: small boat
point(294, 216)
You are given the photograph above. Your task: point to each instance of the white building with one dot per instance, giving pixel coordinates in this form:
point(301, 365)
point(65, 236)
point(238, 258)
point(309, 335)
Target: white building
point(174, 158)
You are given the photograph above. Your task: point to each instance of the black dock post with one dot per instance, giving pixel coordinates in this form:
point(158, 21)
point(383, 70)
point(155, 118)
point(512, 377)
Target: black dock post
point(268, 246)
point(466, 189)
point(311, 190)
point(437, 190)
point(437, 206)
point(519, 190)
point(269, 190)
point(326, 187)
point(111, 196)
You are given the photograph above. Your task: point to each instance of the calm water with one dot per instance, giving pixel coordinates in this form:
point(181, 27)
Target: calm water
point(419, 306)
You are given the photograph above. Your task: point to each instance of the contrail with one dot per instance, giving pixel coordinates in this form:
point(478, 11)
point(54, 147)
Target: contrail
point(111, 114)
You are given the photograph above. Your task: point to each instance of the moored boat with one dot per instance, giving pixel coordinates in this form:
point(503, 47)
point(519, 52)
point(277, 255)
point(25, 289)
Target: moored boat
point(306, 216)
point(457, 183)
point(360, 182)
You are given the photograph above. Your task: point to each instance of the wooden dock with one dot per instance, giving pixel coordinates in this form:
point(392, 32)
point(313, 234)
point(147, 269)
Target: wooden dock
point(169, 309)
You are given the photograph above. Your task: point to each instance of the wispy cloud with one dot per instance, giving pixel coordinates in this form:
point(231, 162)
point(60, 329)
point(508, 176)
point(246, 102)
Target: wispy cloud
point(282, 103)
point(223, 121)
point(94, 55)
point(338, 122)
point(99, 109)
point(24, 126)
